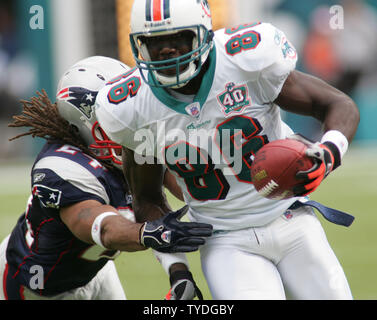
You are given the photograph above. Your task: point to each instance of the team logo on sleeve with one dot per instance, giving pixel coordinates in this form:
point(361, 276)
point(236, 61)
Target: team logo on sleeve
point(49, 198)
point(82, 98)
point(286, 46)
point(288, 50)
point(234, 99)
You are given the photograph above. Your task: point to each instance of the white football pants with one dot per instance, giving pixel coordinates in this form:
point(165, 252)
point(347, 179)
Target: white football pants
point(104, 286)
point(291, 254)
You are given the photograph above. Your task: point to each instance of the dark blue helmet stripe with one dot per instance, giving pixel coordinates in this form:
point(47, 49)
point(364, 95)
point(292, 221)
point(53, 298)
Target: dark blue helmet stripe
point(148, 7)
point(166, 9)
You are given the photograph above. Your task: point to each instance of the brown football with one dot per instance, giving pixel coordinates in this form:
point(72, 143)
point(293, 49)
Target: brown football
point(275, 166)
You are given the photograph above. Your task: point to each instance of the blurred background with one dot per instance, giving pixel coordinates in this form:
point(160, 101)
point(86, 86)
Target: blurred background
point(336, 41)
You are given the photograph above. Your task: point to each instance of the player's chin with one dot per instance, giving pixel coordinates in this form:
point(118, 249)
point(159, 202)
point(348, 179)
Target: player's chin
point(172, 72)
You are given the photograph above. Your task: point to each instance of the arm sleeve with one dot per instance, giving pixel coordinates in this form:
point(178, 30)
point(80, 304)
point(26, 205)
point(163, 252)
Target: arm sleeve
point(64, 182)
point(168, 259)
point(271, 77)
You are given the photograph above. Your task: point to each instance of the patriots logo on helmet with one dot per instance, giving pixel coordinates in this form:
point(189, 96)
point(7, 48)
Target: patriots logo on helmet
point(82, 98)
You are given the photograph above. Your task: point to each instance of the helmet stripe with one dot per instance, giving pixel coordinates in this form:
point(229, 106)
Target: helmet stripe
point(148, 6)
point(166, 9)
point(157, 10)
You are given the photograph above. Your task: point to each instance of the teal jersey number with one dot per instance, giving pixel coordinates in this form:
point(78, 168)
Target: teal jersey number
point(245, 137)
point(241, 42)
point(123, 90)
point(196, 167)
point(241, 27)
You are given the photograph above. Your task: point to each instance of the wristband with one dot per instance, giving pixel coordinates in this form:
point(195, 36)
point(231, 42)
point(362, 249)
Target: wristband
point(96, 227)
point(168, 259)
point(338, 139)
point(334, 154)
point(180, 275)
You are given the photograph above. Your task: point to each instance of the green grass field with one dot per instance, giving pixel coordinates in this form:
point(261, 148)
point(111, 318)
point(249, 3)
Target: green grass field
point(351, 188)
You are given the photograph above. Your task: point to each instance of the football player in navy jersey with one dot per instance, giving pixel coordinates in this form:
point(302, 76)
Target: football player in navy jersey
point(79, 215)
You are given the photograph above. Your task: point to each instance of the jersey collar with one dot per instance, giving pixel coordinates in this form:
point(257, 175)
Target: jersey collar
point(163, 96)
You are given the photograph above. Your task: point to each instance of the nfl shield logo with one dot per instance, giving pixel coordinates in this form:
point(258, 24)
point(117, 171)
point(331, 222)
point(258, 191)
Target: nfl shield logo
point(193, 109)
point(288, 214)
point(166, 236)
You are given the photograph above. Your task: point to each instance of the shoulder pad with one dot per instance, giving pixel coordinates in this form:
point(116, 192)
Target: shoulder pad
point(69, 180)
point(257, 46)
point(117, 106)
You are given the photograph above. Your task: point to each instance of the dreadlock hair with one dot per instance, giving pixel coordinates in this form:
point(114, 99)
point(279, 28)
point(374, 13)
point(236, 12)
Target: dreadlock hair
point(43, 119)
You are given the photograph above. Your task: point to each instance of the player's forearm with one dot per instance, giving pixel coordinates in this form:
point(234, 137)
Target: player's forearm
point(342, 115)
point(92, 222)
point(171, 184)
point(147, 210)
point(146, 184)
point(118, 233)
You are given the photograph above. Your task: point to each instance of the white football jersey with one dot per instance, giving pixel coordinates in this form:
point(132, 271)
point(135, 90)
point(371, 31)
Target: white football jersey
point(208, 140)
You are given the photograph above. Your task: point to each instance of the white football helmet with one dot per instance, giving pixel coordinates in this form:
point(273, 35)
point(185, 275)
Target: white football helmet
point(151, 18)
point(76, 94)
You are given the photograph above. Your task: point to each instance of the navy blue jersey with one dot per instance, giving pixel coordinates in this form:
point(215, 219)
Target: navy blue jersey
point(62, 175)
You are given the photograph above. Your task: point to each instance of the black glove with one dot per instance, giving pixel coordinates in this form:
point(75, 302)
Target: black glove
point(183, 287)
point(168, 234)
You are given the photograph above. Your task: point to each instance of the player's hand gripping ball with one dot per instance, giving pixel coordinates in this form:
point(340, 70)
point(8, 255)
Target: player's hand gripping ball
point(275, 167)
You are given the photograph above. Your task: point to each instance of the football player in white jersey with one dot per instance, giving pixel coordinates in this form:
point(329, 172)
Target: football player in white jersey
point(79, 216)
point(202, 103)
